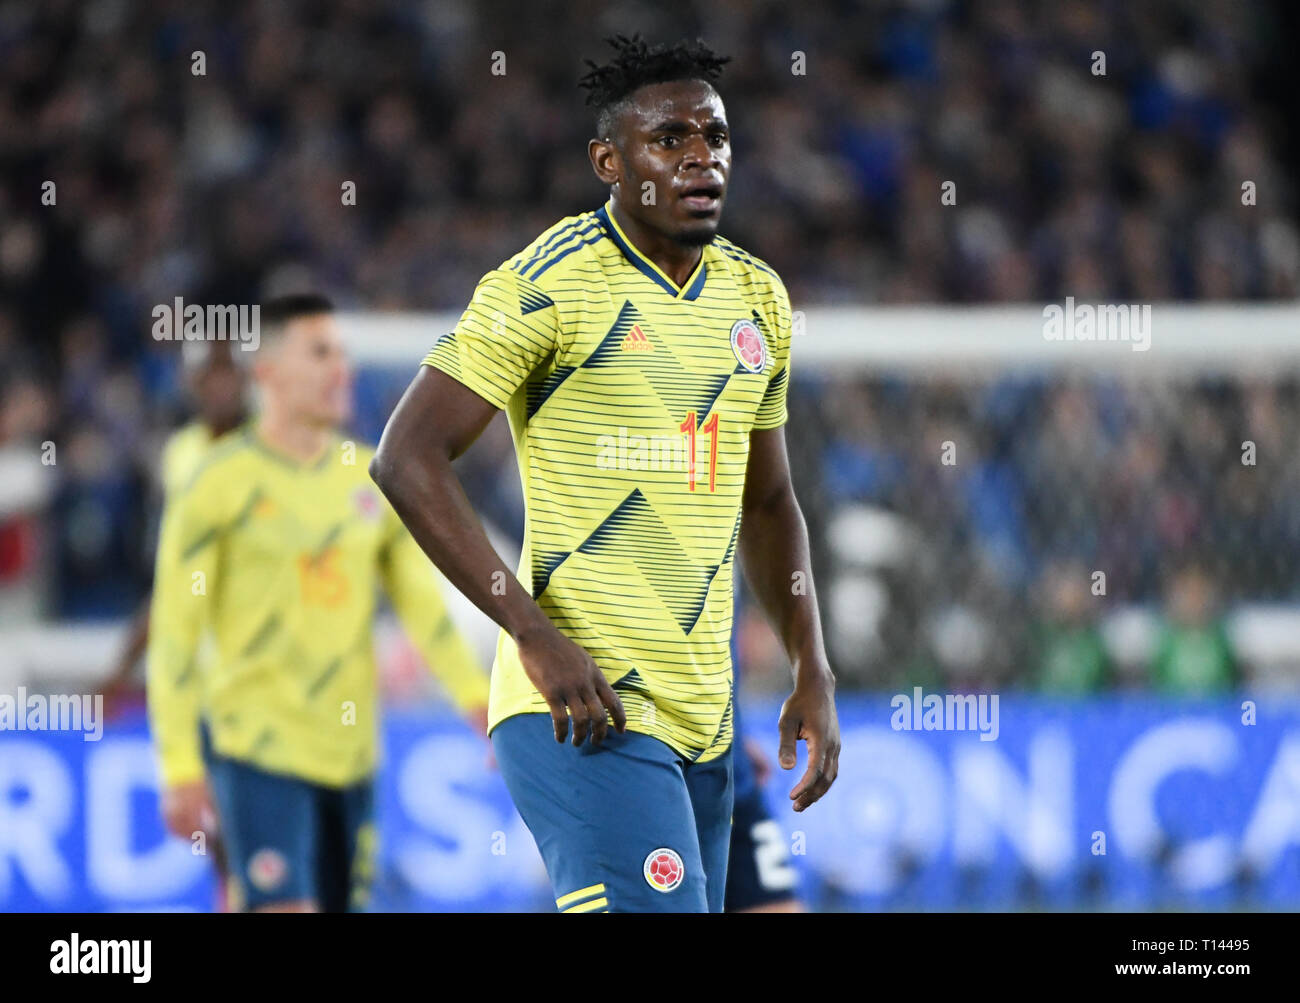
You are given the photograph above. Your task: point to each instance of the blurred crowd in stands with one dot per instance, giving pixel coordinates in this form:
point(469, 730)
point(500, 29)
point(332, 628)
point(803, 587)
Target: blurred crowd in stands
point(226, 185)
point(981, 532)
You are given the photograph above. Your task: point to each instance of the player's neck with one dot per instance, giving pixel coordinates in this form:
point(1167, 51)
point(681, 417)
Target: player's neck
point(299, 441)
point(675, 260)
point(220, 427)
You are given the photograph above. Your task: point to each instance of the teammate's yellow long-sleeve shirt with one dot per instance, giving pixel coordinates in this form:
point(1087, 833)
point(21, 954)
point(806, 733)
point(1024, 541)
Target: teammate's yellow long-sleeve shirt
point(282, 562)
point(182, 455)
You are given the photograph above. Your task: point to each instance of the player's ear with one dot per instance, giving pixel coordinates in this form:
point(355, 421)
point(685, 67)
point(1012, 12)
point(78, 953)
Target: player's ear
point(604, 160)
point(265, 360)
point(261, 369)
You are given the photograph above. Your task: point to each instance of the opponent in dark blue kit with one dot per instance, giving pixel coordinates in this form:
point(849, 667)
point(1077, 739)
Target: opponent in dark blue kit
point(760, 876)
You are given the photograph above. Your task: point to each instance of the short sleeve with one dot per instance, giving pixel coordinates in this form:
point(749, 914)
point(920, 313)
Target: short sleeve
point(508, 330)
point(772, 408)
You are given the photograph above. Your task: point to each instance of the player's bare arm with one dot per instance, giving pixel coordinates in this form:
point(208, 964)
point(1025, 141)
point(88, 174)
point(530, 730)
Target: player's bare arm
point(774, 552)
point(119, 681)
point(435, 422)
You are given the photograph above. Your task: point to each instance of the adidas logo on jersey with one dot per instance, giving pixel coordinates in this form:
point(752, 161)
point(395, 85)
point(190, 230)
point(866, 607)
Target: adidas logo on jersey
point(636, 341)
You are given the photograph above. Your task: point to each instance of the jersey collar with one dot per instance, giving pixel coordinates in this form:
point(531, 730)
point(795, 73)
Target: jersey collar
point(690, 290)
point(254, 437)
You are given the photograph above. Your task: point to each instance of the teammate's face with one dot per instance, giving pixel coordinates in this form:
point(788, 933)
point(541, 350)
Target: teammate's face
point(308, 371)
point(218, 387)
point(675, 137)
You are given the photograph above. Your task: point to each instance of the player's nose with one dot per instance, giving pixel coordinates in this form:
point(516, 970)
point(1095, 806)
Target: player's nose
point(698, 154)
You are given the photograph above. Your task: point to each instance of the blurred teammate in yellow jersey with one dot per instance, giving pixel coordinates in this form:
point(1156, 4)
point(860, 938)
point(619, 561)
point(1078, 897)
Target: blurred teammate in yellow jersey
point(277, 547)
point(216, 383)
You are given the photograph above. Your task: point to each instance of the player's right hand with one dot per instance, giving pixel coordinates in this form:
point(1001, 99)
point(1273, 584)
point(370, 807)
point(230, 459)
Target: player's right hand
point(572, 685)
point(187, 809)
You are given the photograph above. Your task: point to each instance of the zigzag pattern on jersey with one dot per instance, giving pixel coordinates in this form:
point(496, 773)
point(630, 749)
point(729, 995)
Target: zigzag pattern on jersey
point(532, 300)
point(632, 682)
point(536, 392)
point(679, 389)
point(775, 386)
point(737, 253)
point(447, 339)
point(558, 242)
point(634, 532)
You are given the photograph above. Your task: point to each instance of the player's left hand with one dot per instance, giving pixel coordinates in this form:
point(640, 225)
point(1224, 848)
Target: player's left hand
point(809, 715)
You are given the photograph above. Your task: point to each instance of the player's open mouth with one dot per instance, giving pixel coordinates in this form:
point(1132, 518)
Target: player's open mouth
point(702, 198)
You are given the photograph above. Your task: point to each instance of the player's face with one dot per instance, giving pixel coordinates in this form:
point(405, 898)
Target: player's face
point(310, 373)
point(675, 136)
point(218, 387)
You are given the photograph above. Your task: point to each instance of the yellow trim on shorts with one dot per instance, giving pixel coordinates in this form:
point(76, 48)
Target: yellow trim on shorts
point(582, 893)
point(591, 906)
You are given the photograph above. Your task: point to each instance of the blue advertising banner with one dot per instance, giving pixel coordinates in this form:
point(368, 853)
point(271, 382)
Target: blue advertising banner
point(1124, 803)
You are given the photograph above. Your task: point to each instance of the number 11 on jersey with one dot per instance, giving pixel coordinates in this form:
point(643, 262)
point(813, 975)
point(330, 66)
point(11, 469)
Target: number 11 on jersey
point(711, 427)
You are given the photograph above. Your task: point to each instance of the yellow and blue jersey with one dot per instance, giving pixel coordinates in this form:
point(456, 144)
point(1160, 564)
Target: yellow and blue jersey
point(631, 401)
point(281, 562)
point(182, 454)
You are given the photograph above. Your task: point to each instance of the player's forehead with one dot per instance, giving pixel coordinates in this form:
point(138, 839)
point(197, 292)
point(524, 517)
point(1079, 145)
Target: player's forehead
point(678, 102)
point(313, 324)
point(199, 358)
point(313, 330)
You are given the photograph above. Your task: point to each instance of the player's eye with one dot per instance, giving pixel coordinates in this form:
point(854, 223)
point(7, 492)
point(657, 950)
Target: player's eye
point(668, 141)
point(718, 138)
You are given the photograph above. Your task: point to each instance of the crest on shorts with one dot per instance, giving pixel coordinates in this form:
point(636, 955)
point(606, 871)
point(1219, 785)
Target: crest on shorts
point(267, 869)
point(748, 345)
point(664, 869)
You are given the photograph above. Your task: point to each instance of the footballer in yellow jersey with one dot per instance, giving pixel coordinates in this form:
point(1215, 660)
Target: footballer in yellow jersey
point(643, 363)
point(183, 453)
point(637, 508)
point(216, 383)
point(277, 546)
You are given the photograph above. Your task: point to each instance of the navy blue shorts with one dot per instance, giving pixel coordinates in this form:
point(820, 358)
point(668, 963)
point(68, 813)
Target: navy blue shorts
point(624, 826)
point(287, 840)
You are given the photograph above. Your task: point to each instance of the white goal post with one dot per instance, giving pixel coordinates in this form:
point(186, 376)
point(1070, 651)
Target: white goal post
point(1185, 339)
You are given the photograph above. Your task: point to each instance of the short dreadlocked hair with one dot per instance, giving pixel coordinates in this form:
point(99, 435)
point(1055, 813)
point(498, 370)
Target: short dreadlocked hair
point(636, 64)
